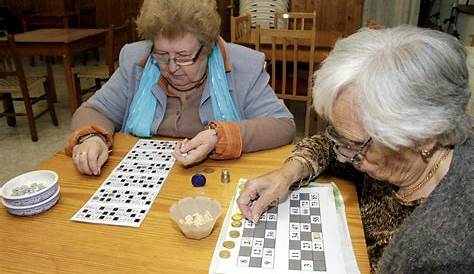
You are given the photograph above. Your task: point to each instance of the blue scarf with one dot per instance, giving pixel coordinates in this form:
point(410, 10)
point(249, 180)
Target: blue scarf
point(143, 107)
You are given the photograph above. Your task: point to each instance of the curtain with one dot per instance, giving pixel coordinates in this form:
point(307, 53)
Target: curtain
point(392, 12)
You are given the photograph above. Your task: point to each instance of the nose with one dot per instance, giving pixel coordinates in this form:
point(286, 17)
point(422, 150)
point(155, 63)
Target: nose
point(172, 66)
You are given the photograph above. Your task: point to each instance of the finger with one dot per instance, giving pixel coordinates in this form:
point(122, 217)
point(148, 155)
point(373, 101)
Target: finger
point(244, 201)
point(93, 160)
point(178, 156)
point(177, 149)
point(75, 157)
point(191, 144)
point(83, 165)
point(103, 156)
point(259, 206)
point(190, 159)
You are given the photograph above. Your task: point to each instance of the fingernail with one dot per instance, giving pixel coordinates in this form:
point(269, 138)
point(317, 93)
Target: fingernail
point(255, 220)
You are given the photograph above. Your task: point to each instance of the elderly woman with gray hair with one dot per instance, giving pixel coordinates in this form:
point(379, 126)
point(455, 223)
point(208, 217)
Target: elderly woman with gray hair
point(396, 103)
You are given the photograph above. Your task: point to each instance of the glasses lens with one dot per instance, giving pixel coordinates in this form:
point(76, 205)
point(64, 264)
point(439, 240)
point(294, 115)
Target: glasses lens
point(346, 151)
point(161, 58)
point(183, 61)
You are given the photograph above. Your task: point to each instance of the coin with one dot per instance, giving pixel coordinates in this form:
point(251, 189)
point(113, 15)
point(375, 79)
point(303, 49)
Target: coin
point(208, 170)
point(237, 217)
point(234, 234)
point(224, 254)
point(236, 224)
point(229, 244)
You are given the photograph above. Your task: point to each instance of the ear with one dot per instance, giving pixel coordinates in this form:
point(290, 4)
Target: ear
point(427, 148)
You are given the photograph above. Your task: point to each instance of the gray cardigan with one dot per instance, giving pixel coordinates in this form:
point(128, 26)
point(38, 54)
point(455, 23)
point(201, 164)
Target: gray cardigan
point(248, 84)
point(438, 237)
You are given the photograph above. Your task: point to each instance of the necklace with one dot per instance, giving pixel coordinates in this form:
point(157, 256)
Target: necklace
point(418, 186)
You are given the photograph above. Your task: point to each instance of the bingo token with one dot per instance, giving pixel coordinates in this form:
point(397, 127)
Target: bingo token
point(229, 244)
point(224, 254)
point(198, 180)
point(234, 234)
point(236, 223)
point(237, 217)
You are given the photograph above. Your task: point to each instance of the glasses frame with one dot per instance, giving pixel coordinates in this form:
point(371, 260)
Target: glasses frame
point(359, 152)
point(175, 59)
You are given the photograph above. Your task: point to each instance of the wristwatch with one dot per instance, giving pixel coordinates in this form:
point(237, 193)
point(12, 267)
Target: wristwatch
point(83, 138)
point(212, 126)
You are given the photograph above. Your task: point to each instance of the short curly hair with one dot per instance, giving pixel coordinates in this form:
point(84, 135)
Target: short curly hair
point(178, 17)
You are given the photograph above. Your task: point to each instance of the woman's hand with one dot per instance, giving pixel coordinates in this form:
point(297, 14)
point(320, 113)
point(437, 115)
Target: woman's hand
point(258, 193)
point(90, 156)
point(189, 152)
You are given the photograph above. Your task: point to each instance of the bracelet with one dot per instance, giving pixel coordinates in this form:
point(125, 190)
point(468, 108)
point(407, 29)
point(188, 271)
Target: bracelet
point(83, 138)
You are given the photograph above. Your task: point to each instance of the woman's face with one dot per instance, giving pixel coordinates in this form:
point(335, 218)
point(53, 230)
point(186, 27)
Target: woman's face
point(377, 160)
point(180, 60)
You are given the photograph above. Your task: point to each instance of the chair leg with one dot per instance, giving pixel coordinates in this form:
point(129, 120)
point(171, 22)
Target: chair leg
point(50, 102)
point(31, 118)
point(96, 54)
point(307, 120)
point(77, 86)
point(9, 108)
point(84, 57)
point(32, 61)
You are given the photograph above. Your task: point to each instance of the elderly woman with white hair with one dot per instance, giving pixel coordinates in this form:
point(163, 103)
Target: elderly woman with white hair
point(396, 103)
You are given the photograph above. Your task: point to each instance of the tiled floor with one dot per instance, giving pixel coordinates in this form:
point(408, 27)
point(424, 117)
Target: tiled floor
point(19, 154)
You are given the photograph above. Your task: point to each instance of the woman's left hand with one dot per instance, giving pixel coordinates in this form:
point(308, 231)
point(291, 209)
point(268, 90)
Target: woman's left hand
point(189, 152)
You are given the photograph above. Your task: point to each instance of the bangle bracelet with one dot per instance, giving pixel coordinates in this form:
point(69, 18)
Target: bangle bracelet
point(83, 138)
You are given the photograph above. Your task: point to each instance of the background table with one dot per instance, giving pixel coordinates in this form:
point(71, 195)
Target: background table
point(51, 243)
point(60, 42)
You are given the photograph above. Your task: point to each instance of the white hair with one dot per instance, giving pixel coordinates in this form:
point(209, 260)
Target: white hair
point(411, 84)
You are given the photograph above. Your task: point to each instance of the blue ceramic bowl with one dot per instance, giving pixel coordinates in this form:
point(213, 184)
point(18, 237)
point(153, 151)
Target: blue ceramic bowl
point(33, 209)
point(47, 178)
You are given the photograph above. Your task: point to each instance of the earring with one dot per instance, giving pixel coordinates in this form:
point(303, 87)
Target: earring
point(426, 154)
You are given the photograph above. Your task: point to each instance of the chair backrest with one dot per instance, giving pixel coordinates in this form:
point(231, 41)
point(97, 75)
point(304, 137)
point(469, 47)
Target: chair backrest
point(373, 24)
point(10, 63)
point(295, 20)
point(289, 47)
point(116, 38)
point(240, 27)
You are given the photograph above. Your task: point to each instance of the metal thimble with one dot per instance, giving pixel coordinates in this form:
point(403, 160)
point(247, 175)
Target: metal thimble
point(225, 176)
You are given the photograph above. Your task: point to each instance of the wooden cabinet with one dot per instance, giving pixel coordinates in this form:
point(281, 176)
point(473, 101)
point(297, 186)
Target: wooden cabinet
point(344, 16)
point(116, 11)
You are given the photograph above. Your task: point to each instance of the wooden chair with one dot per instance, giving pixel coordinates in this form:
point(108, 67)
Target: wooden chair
point(286, 48)
point(295, 20)
point(14, 86)
point(116, 38)
point(240, 28)
point(373, 24)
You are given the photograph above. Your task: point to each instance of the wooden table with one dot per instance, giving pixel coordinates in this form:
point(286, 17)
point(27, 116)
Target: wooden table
point(60, 42)
point(51, 243)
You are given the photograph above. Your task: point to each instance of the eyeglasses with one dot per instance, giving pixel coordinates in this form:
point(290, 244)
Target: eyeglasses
point(164, 59)
point(347, 150)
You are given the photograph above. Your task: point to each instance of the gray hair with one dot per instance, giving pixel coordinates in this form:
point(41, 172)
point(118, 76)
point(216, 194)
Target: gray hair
point(411, 84)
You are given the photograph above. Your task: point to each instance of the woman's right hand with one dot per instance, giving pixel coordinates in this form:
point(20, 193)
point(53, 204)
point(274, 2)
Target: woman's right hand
point(90, 156)
point(259, 192)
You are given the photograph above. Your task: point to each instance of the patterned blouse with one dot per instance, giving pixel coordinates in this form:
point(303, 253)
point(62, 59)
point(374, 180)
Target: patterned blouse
point(381, 211)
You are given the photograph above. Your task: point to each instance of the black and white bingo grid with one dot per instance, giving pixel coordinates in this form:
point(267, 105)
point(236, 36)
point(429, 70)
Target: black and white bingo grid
point(296, 235)
point(125, 197)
